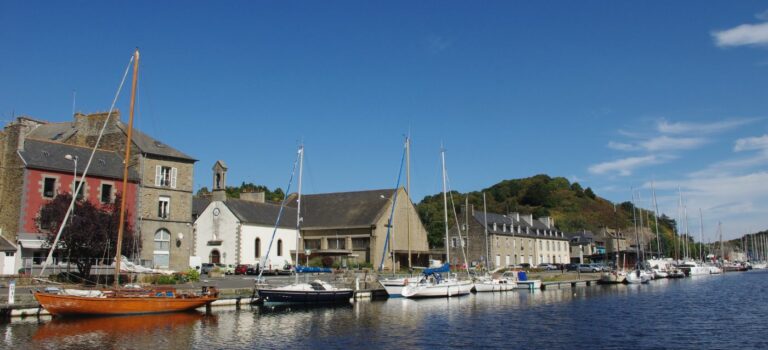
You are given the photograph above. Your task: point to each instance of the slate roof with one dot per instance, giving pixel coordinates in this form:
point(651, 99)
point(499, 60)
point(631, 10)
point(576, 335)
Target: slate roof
point(149, 145)
point(65, 130)
point(500, 219)
point(6, 245)
point(343, 209)
point(199, 204)
point(263, 214)
point(50, 156)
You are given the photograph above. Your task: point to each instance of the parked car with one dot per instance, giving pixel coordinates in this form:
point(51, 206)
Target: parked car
point(229, 269)
point(571, 267)
point(547, 267)
point(601, 267)
point(588, 268)
point(241, 269)
point(252, 270)
point(525, 265)
point(206, 268)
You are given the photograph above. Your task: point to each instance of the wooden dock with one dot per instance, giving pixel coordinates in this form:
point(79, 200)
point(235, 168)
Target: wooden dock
point(569, 283)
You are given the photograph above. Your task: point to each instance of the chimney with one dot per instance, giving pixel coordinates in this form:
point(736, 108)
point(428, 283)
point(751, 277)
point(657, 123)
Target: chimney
point(546, 220)
point(88, 126)
point(256, 197)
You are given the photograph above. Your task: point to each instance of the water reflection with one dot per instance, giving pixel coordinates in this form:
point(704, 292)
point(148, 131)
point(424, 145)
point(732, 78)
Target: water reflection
point(710, 312)
point(121, 332)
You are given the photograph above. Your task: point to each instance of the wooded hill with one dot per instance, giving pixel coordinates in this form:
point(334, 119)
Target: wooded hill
point(573, 208)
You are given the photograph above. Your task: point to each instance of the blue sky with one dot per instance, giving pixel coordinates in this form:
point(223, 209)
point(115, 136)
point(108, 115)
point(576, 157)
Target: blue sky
point(613, 95)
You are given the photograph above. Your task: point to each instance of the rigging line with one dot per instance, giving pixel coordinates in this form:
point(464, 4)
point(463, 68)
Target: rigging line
point(390, 225)
point(85, 171)
point(277, 221)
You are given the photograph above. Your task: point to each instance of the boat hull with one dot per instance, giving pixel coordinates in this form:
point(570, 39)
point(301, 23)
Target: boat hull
point(494, 286)
point(66, 305)
point(529, 284)
point(445, 289)
point(301, 296)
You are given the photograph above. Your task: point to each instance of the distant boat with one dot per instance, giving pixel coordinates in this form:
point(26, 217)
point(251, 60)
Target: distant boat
point(313, 292)
point(123, 301)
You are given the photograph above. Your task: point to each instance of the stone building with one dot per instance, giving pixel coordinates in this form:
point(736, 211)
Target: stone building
point(353, 226)
point(164, 204)
point(512, 239)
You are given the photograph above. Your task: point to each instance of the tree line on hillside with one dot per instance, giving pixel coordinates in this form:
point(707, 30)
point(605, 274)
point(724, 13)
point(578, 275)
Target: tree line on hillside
point(275, 195)
point(573, 208)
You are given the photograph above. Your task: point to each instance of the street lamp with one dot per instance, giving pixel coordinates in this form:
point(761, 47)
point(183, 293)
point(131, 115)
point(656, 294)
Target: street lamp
point(74, 182)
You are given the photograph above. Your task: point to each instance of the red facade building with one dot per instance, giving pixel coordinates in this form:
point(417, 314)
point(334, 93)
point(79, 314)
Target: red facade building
point(49, 170)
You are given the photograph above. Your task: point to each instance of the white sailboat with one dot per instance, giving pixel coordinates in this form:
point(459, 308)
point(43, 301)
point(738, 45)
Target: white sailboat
point(433, 284)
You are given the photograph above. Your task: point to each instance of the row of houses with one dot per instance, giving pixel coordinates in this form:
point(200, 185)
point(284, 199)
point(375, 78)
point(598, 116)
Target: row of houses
point(176, 230)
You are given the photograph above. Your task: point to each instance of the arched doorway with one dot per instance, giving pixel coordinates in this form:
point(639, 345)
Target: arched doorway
point(215, 257)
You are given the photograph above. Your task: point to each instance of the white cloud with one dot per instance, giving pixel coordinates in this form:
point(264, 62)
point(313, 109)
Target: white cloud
point(666, 143)
point(743, 35)
point(660, 143)
point(751, 143)
point(622, 146)
point(701, 128)
point(625, 166)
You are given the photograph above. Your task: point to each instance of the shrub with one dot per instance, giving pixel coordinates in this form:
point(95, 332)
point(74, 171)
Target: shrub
point(193, 275)
point(166, 279)
point(328, 261)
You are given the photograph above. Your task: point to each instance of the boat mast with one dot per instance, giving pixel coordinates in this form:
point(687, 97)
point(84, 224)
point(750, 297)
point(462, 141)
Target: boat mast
point(679, 222)
point(298, 210)
point(485, 224)
point(408, 189)
point(701, 234)
point(637, 236)
point(656, 218)
point(445, 211)
point(126, 161)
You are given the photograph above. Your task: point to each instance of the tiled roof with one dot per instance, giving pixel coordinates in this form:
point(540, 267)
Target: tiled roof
point(51, 156)
point(343, 209)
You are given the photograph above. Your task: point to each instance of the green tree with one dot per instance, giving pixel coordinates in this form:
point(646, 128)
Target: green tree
point(588, 192)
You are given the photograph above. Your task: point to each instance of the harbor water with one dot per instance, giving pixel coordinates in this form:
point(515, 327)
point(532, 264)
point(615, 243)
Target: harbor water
point(708, 312)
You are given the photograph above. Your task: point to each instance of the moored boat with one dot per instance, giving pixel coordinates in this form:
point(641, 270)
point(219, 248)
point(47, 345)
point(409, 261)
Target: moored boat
point(503, 283)
point(123, 301)
point(313, 292)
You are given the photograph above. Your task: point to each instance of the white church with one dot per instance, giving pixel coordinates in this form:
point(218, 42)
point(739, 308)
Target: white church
point(238, 231)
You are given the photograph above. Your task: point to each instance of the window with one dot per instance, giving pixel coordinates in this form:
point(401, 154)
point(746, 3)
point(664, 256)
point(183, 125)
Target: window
point(49, 187)
point(503, 227)
point(494, 226)
point(497, 242)
point(106, 193)
point(361, 243)
point(498, 260)
point(507, 244)
point(257, 248)
point(165, 176)
point(162, 245)
point(81, 185)
point(547, 245)
point(541, 245)
point(312, 244)
point(164, 207)
point(279, 247)
point(454, 242)
point(337, 243)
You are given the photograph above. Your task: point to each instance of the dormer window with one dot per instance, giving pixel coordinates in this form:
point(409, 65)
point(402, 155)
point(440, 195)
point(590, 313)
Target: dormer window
point(494, 226)
point(503, 227)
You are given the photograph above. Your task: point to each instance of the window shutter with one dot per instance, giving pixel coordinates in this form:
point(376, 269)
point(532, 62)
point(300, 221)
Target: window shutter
point(173, 177)
point(157, 175)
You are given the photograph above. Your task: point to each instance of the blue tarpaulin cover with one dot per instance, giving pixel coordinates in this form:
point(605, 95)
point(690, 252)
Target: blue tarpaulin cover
point(445, 268)
point(310, 269)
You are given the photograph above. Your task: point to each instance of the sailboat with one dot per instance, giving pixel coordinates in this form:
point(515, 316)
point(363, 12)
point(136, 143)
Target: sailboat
point(433, 284)
point(120, 301)
point(493, 282)
point(638, 275)
point(394, 285)
point(316, 291)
